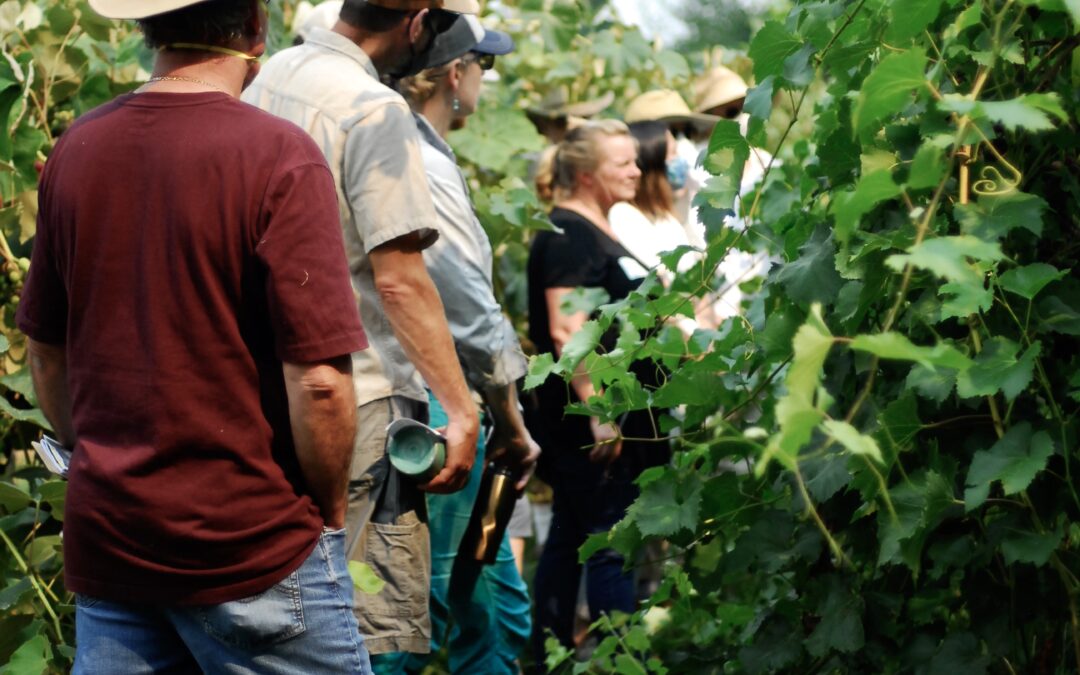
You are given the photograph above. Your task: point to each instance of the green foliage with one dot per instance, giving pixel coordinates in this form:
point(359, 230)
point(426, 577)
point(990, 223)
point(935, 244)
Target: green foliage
point(883, 475)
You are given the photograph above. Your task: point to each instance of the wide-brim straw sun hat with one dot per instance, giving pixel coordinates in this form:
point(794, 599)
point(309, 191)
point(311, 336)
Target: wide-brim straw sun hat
point(665, 105)
point(718, 87)
point(141, 9)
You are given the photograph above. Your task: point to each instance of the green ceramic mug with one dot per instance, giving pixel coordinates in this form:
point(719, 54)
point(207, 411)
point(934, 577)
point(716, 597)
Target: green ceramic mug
point(415, 449)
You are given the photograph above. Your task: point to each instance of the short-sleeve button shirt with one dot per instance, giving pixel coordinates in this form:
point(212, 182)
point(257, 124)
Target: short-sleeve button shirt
point(329, 87)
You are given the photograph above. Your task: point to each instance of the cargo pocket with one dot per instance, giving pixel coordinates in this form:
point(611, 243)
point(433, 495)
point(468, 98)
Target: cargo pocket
point(400, 555)
point(260, 620)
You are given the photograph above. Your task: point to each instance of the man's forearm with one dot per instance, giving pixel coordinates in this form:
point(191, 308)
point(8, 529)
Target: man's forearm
point(415, 311)
point(322, 412)
point(48, 370)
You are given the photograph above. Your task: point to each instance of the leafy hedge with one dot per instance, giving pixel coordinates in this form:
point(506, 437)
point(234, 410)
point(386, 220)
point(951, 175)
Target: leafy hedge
point(60, 60)
point(903, 385)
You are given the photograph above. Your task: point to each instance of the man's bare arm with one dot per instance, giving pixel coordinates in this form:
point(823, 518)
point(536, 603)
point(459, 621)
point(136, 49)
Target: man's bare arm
point(322, 412)
point(48, 370)
point(510, 441)
point(415, 312)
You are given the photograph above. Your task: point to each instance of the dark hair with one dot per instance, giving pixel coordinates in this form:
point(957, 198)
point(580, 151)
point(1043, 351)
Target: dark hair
point(371, 18)
point(654, 197)
point(213, 22)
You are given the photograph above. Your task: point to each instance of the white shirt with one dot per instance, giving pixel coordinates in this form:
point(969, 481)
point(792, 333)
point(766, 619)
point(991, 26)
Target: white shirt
point(647, 239)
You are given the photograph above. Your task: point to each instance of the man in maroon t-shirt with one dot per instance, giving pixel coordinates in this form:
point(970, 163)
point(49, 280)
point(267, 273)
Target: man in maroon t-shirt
point(190, 320)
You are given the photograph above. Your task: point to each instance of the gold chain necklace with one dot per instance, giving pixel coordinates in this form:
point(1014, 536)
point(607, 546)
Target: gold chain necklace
point(172, 78)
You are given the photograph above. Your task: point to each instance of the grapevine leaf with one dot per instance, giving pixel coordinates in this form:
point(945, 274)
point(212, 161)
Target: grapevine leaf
point(667, 506)
point(795, 411)
point(853, 441)
point(997, 367)
point(20, 382)
point(811, 346)
point(15, 593)
point(871, 190)
point(540, 367)
point(583, 342)
point(887, 90)
point(54, 493)
point(4, 344)
point(841, 626)
point(946, 256)
point(931, 383)
point(1059, 315)
point(993, 217)
point(1025, 546)
point(31, 657)
point(825, 476)
point(759, 99)
point(1027, 281)
point(928, 167)
point(812, 277)
point(911, 17)
point(726, 159)
point(1014, 460)
point(13, 498)
point(770, 48)
point(775, 648)
point(1029, 112)
point(895, 346)
point(967, 299)
point(921, 504)
point(899, 423)
point(364, 578)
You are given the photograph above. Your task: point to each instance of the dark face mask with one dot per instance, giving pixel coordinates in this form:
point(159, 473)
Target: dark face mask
point(435, 22)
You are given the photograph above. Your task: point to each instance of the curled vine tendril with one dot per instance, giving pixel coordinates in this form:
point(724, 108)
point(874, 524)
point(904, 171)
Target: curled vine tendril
point(993, 183)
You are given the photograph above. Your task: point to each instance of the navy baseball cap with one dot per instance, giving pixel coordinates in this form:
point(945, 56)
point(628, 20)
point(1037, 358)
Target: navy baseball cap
point(464, 36)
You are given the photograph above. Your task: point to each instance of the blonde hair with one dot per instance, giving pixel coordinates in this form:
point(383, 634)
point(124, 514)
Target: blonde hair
point(560, 165)
point(418, 89)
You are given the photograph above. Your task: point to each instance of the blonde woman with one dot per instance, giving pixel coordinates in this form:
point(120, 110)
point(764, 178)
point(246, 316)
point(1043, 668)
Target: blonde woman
point(486, 609)
point(589, 466)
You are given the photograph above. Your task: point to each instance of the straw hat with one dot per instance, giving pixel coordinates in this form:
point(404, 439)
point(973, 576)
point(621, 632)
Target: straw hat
point(323, 15)
point(141, 9)
point(665, 105)
point(556, 104)
point(717, 87)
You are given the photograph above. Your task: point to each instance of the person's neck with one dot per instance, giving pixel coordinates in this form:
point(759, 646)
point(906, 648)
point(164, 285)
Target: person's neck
point(377, 46)
point(439, 114)
point(590, 208)
point(180, 72)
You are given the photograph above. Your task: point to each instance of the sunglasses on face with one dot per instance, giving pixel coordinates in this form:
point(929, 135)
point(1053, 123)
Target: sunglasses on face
point(485, 61)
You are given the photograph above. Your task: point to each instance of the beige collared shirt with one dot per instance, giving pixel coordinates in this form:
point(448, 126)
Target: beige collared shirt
point(329, 87)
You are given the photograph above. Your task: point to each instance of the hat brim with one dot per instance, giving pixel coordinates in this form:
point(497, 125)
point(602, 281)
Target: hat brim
point(700, 121)
point(138, 9)
point(584, 109)
point(495, 42)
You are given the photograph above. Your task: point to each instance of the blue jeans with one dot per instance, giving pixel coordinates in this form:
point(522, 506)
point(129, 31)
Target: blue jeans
point(489, 627)
point(303, 624)
point(577, 512)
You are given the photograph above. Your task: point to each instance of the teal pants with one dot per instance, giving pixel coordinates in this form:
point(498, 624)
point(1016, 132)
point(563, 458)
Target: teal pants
point(487, 630)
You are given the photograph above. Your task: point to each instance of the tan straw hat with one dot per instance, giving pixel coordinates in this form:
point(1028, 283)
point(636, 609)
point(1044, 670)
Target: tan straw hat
point(457, 6)
point(717, 87)
point(665, 105)
point(141, 9)
point(138, 9)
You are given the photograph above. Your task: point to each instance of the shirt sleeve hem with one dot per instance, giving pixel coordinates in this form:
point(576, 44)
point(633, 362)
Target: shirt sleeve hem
point(339, 345)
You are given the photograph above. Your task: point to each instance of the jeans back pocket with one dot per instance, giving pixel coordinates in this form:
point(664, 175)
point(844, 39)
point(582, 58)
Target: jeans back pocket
point(260, 620)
